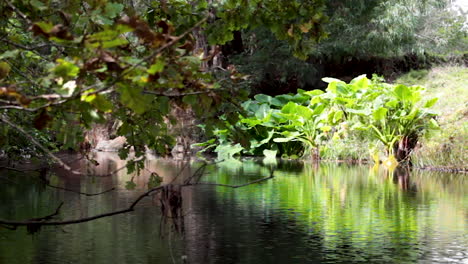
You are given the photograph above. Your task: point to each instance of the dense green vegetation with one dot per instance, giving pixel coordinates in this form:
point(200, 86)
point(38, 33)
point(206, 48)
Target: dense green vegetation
point(67, 66)
point(64, 72)
point(447, 148)
point(368, 111)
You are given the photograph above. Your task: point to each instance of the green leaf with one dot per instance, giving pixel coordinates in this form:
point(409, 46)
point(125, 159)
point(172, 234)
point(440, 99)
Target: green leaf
point(130, 185)
point(112, 10)
point(190, 99)
point(45, 26)
point(228, 151)
point(337, 116)
point(113, 43)
point(154, 181)
point(314, 93)
point(380, 114)
point(360, 82)
point(431, 102)
point(4, 69)
point(391, 104)
point(270, 154)
point(331, 80)
point(66, 69)
point(163, 104)
point(102, 104)
point(133, 98)
point(204, 144)
point(433, 125)
point(403, 93)
point(158, 66)
point(38, 5)
point(263, 98)
point(9, 54)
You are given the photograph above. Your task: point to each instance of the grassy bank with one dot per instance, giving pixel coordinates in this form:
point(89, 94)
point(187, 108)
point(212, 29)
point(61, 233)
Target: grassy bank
point(448, 147)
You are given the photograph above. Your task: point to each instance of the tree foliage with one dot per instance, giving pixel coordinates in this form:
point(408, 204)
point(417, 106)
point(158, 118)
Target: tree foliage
point(66, 66)
point(361, 37)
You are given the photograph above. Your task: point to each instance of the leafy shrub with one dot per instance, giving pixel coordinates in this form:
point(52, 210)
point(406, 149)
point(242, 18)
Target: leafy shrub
point(366, 110)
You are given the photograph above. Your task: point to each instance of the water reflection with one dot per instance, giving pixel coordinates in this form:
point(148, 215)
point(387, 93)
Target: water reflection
point(307, 214)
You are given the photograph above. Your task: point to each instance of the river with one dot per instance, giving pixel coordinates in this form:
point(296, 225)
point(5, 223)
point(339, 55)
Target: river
point(307, 213)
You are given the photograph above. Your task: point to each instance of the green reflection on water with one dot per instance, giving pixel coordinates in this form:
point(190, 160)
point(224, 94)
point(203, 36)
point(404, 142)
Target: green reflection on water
point(326, 213)
point(361, 213)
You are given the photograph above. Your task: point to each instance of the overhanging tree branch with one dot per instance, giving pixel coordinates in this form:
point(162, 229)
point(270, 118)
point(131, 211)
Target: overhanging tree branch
point(108, 87)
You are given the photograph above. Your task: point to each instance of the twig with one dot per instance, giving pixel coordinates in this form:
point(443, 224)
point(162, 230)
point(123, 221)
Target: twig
point(114, 171)
point(47, 217)
point(21, 14)
point(176, 94)
point(77, 192)
point(233, 186)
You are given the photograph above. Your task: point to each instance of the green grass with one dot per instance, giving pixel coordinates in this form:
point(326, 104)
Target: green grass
point(448, 148)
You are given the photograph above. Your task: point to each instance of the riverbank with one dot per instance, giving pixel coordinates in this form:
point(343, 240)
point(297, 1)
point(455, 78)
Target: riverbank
point(447, 148)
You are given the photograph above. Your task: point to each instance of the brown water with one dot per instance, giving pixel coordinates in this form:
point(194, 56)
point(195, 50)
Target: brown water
point(307, 214)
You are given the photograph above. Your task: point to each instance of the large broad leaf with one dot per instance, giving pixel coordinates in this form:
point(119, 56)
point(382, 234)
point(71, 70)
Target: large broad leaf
point(228, 151)
point(262, 111)
point(251, 106)
point(331, 80)
point(288, 136)
point(403, 93)
point(380, 114)
point(263, 98)
point(9, 54)
point(158, 66)
point(255, 143)
point(313, 93)
point(360, 82)
point(318, 109)
point(251, 122)
point(298, 110)
point(270, 154)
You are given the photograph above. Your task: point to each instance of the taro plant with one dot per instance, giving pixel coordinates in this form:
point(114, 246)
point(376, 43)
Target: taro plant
point(365, 110)
point(390, 114)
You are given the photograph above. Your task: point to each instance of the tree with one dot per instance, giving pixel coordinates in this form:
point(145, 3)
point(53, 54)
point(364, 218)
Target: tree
point(123, 60)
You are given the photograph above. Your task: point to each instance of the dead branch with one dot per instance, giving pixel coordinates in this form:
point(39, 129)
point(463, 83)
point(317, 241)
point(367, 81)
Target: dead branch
point(18, 12)
point(77, 192)
point(233, 186)
point(50, 216)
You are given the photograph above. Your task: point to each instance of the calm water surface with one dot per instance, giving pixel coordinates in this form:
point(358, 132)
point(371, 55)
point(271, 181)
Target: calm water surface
point(329, 213)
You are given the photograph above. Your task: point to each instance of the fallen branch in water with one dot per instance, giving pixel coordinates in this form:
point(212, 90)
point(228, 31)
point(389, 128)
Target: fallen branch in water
point(234, 186)
point(38, 223)
point(50, 216)
point(78, 192)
